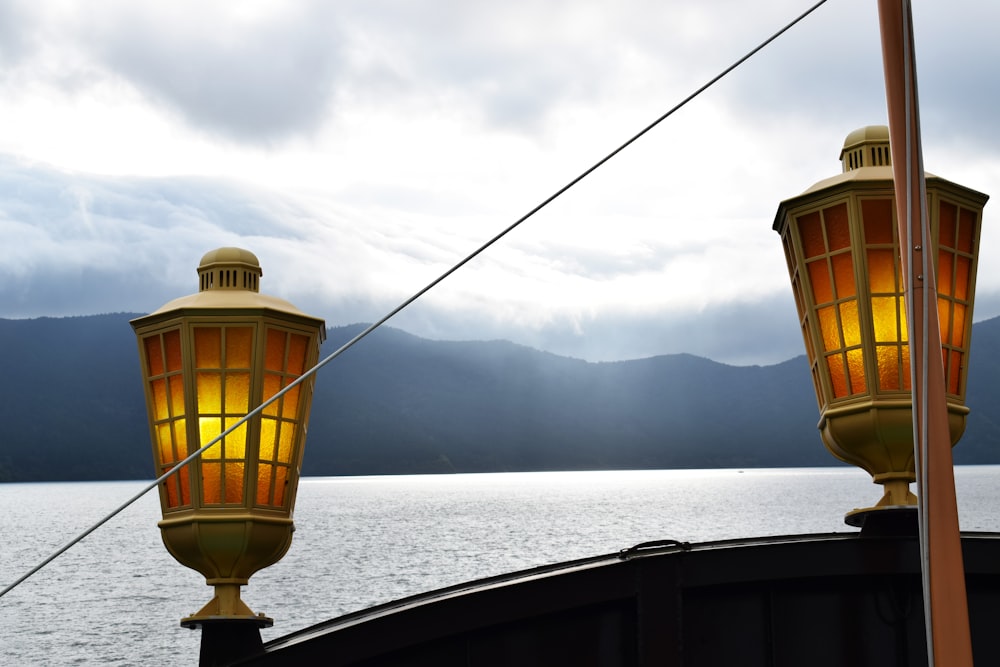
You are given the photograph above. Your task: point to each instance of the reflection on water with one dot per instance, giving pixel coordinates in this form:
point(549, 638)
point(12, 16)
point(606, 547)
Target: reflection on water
point(117, 597)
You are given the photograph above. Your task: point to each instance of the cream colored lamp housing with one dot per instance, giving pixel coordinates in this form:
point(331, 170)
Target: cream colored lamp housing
point(842, 248)
point(207, 360)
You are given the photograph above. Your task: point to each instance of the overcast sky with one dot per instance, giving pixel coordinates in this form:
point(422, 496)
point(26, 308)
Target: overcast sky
point(360, 148)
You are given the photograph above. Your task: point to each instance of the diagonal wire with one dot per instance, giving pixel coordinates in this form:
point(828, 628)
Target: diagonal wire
point(431, 285)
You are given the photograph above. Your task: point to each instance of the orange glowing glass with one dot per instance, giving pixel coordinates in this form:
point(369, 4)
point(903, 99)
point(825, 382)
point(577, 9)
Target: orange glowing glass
point(850, 324)
point(838, 228)
point(843, 275)
point(811, 233)
point(819, 278)
point(166, 399)
point(878, 222)
point(838, 375)
point(828, 327)
point(945, 273)
point(856, 371)
point(947, 223)
point(966, 230)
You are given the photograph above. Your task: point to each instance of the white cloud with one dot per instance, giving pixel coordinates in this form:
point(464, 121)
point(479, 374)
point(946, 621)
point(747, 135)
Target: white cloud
point(361, 148)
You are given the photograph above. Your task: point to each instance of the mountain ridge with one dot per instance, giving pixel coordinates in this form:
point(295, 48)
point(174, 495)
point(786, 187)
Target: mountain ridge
point(71, 407)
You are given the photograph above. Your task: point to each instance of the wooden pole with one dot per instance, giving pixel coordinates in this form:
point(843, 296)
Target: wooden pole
point(945, 605)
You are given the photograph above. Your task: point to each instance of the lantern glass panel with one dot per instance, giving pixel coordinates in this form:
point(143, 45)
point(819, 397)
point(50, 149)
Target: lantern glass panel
point(966, 230)
point(165, 442)
point(209, 390)
point(158, 395)
point(957, 337)
point(838, 375)
point(166, 401)
point(264, 473)
point(856, 371)
point(290, 403)
point(819, 278)
point(956, 233)
point(280, 482)
point(838, 230)
point(944, 320)
point(173, 492)
point(235, 475)
point(885, 319)
point(843, 275)
point(272, 385)
point(239, 347)
point(284, 361)
point(184, 480)
point(963, 268)
point(154, 356)
point(945, 272)
point(223, 357)
point(888, 362)
point(176, 384)
point(850, 324)
point(285, 442)
point(208, 347)
point(237, 393)
point(954, 371)
point(947, 222)
point(828, 327)
point(172, 346)
point(209, 429)
point(268, 439)
point(297, 347)
point(882, 271)
point(234, 445)
point(811, 233)
point(211, 482)
point(274, 359)
point(877, 217)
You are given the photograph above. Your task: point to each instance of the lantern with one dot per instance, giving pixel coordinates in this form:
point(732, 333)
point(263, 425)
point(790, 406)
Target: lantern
point(208, 360)
point(842, 248)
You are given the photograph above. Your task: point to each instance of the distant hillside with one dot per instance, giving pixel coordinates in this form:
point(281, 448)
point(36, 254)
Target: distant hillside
point(71, 407)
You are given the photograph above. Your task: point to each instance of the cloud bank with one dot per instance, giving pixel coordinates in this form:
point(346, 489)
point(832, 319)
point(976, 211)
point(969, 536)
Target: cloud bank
point(361, 148)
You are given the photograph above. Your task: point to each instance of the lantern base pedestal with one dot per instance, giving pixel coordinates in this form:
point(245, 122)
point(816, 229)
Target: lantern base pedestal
point(895, 520)
point(228, 640)
point(226, 606)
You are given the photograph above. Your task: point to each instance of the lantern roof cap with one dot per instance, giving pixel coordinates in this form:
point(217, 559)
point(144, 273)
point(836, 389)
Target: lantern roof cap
point(229, 255)
point(864, 174)
point(229, 279)
point(867, 164)
point(870, 134)
point(866, 147)
point(864, 157)
point(230, 300)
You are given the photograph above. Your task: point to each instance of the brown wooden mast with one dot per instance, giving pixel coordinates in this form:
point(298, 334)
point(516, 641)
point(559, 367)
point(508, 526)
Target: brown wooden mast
point(945, 604)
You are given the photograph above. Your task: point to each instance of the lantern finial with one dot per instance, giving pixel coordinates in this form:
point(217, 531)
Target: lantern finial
point(866, 147)
point(229, 268)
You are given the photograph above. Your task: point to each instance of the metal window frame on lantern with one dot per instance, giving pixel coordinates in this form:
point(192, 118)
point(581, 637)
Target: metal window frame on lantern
point(208, 360)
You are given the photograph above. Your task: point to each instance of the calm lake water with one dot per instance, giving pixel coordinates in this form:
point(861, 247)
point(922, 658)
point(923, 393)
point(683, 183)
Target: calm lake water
point(117, 597)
